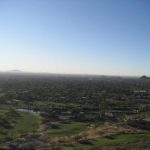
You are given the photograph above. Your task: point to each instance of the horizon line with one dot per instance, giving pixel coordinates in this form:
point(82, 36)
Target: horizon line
point(79, 74)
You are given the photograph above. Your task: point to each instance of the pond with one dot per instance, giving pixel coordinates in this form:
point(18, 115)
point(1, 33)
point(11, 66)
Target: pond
point(29, 111)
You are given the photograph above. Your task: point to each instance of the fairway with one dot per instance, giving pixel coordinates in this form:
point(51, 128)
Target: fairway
point(112, 140)
point(25, 123)
point(67, 129)
point(2, 111)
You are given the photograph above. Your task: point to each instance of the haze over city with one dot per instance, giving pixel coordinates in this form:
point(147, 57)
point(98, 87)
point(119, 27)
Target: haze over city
point(82, 36)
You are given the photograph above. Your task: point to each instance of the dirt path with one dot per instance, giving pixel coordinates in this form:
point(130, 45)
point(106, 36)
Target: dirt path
point(50, 143)
point(42, 128)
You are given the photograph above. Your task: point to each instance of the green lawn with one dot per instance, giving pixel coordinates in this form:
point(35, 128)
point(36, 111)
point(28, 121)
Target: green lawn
point(2, 94)
point(113, 140)
point(22, 124)
point(48, 104)
point(2, 111)
point(26, 123)
point(67, 129)
point(119, 139)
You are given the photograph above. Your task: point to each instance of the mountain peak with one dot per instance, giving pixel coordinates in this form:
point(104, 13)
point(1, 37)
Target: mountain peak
point(144, 77)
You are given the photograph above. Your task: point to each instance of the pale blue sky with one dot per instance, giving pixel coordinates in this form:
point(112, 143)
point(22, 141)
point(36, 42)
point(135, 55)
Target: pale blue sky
point(75, 36)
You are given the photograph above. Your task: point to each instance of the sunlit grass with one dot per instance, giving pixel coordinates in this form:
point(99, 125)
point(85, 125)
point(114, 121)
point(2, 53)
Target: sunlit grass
point(111, 140)
point(68, 129)
point(25, 123)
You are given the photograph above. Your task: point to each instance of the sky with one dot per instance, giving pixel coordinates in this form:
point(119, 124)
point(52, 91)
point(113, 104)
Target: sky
point(105, 37)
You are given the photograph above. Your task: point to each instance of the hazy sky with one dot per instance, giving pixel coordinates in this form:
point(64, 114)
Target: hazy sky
point(75, 36)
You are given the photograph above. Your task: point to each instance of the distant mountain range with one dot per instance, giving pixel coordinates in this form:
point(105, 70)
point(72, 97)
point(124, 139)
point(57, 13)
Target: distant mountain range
point(15, 70)
point(144, 77)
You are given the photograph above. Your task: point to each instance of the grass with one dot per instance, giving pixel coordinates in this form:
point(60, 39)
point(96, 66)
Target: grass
point(48, 104)
point(2, 94)
point(55, 104)
point(67, 129)
point(121, 139)
point(2, 111)
point(112, 140)
point(25, 123)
